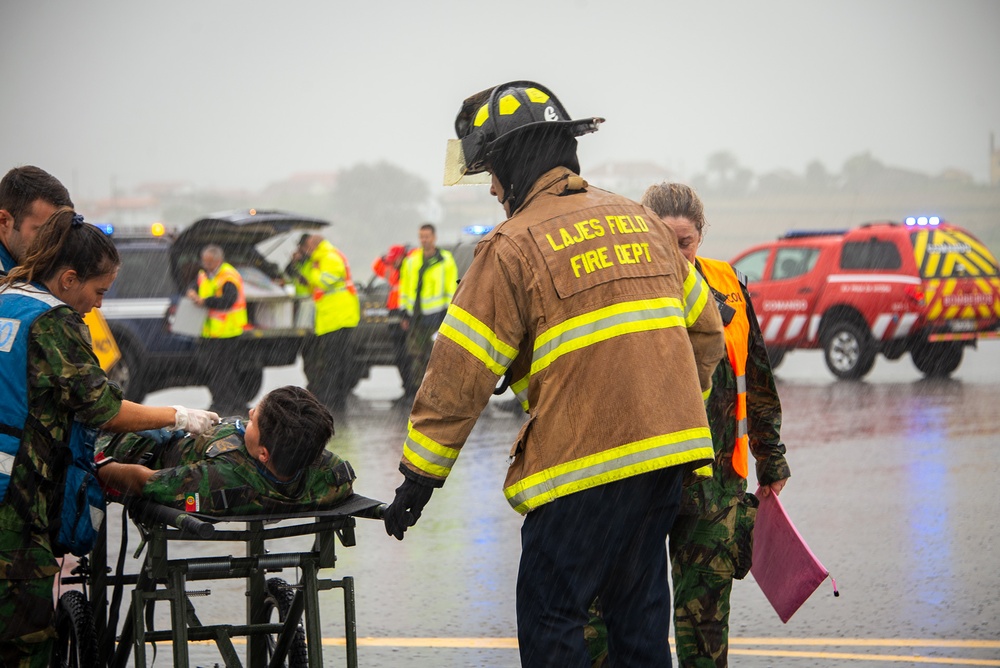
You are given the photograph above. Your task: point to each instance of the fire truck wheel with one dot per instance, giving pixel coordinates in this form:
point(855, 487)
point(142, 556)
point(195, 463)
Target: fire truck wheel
point(848, 350)
point(937, 360)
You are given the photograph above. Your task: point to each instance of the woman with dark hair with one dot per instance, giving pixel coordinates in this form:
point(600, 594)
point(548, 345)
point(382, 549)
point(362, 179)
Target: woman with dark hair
point(53, 391)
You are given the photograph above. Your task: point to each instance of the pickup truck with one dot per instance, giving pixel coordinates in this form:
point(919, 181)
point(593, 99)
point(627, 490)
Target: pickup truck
point(921, 286)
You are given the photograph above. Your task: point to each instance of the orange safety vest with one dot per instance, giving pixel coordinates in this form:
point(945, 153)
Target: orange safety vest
point(229, 323)
point(721, 276)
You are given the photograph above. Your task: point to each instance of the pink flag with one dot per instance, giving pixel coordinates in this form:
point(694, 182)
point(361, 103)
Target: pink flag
point(783, 565)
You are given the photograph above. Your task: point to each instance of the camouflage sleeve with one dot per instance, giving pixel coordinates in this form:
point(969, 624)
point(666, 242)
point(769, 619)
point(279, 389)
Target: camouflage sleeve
point(763, 407)
point(62, 362)
point(172, 486)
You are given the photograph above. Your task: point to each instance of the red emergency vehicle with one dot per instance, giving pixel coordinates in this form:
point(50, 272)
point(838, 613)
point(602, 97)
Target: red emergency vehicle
point(922, 286)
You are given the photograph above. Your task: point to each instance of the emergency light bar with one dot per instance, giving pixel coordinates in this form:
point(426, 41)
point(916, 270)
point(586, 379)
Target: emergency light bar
point(922, 221)
point(107, 228)
point(477, 229)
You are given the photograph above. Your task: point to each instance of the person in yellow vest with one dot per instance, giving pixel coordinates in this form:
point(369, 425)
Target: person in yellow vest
point(220, 292)
point(327, 358)
point(710, 541)
point(427, 281)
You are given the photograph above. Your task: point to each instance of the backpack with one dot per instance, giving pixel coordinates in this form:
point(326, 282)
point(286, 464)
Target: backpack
point(82, 507)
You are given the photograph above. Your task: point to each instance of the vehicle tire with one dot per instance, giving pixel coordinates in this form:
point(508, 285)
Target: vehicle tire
point(848, 350)
point(937, 360)
point(776, 356)
point(128, 373)
point(76, 640)
point(279, 599)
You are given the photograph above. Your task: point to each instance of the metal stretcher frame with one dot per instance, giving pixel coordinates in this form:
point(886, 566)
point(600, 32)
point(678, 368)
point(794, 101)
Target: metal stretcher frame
point(162, 578)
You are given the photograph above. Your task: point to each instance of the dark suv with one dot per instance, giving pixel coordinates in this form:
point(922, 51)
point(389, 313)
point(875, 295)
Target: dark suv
point(141, 308)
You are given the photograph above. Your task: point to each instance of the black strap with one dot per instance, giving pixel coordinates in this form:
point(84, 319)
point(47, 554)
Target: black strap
point(116, 592)
point(11, 430)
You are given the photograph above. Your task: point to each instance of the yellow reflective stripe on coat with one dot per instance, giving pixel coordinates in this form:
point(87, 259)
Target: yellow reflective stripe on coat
point(603, 324)
point(520, 390)
point(479, 340)
point(695, 296)
point(428, 455)
point(627, 460)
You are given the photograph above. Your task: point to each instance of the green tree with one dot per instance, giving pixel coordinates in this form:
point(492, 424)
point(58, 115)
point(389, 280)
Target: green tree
point(375, 206)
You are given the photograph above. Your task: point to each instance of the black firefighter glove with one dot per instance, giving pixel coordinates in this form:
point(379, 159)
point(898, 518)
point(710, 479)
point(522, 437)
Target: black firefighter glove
point(405, 509)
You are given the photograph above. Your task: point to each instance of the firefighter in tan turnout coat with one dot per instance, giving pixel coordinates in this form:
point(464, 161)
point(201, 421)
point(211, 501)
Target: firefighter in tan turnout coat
point(609, 338)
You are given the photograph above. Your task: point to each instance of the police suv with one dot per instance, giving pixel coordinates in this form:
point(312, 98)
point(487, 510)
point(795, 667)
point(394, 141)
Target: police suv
point(921, 286)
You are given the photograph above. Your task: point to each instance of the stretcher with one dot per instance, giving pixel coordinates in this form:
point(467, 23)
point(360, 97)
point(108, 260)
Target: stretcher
point(294, 639)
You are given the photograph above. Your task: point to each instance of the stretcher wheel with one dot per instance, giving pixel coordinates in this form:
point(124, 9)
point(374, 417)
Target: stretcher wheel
point(76, 639)
point(279, 599)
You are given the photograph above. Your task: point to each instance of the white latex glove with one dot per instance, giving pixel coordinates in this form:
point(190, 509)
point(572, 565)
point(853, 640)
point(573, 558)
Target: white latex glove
point(193, 420)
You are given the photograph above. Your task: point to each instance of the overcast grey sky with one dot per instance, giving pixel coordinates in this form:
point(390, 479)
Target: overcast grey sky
point(242, 93)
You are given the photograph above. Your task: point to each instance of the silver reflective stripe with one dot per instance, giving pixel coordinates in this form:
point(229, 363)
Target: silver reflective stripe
point(599, 469)
point(592, 327)
point(6, 463)
point(429, 455)
point(697, 289)
point(741, 384)
point(741, 428)
point(478, 340)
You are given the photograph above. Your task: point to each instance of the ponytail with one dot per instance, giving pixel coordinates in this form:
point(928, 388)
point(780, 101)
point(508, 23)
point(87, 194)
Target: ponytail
point(65, 241)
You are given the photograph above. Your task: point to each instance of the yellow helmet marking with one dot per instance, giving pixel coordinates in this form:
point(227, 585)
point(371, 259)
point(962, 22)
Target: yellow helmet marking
point(508, 105)
point(536, 95)
point(481, 115)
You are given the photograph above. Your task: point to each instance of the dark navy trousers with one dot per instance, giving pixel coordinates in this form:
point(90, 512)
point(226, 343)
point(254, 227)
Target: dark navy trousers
point(607, 542)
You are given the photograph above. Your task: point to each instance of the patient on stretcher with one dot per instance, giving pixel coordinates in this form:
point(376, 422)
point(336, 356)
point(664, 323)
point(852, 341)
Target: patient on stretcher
point(276, 462)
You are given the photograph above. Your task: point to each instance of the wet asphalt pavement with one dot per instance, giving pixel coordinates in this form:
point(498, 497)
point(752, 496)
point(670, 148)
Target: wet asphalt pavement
point(894, 486)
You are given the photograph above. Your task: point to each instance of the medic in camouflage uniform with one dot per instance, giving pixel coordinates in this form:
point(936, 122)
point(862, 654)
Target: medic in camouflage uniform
point(217, 474)
point(63, 373)
point(710, 543)
point(51, 377)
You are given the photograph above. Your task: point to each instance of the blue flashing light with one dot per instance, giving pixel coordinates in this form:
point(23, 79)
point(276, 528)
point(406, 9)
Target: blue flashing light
point(107, 228)
point(477, 230)
point(922, 221)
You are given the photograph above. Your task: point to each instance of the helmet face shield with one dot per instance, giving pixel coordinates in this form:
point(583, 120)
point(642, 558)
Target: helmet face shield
point(488, 118)
point(457, 171)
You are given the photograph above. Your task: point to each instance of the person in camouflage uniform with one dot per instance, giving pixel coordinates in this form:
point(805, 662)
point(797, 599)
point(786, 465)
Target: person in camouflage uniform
point(711, 540)
point(57, 378)
point(277, 462)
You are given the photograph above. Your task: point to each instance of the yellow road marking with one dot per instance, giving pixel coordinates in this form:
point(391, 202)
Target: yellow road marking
point(851, 656)
point(869, 642)
point(734, 647)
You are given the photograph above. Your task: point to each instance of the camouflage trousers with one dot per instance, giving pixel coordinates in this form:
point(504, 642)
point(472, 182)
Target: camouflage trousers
point(26, 609)
point(706, 553)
